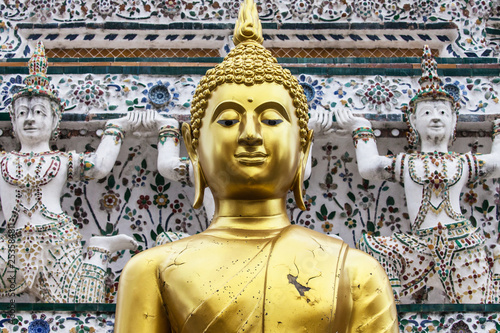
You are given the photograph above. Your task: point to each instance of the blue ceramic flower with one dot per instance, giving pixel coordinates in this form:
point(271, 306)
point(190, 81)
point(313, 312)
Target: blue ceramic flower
point(162, 96)
point(340, 92)
point(159, 95)
point(39, 326)
point(312, 89)
point(453, 90)
point(459, 88)
point(9, 88)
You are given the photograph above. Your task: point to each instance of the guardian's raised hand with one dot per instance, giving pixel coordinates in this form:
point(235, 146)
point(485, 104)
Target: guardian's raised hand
point(127, 123)
point(161, 121)
point(148, 120)
point(348, 122)
point(321, 123)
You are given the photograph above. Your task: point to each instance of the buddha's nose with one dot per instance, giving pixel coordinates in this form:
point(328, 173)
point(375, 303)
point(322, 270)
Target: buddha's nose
point(250, 134)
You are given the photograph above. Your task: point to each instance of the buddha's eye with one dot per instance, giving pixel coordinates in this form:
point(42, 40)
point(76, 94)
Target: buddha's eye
point(228, 118)
point(272, 122)
point(271, 117)
point(228, 122)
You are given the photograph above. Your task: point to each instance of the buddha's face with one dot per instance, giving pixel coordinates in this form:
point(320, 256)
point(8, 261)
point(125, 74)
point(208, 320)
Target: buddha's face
point(33, 119)
point(434, 120)
point(249, 145)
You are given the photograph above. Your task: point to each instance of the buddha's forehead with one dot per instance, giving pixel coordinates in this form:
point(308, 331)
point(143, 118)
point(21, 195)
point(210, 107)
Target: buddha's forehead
point(251, 96)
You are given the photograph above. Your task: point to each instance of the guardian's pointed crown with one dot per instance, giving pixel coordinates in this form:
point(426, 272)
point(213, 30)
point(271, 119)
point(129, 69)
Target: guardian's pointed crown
point(37, 83)
point(431, 85)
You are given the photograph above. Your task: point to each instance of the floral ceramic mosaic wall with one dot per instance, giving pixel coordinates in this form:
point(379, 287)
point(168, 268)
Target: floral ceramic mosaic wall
point(136, 200)
point(378, 94)
point(476, 20)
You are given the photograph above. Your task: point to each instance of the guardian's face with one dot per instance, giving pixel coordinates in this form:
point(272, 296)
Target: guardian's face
point(33, 120)
point(249, 144)
point(434, 120)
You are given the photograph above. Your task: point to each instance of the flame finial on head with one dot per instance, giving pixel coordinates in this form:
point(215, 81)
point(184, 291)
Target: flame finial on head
point(248, 27)
point(37, 83)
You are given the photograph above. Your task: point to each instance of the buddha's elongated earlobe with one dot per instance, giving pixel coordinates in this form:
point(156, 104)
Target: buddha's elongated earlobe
point(199, 178)
point(299, 176)
point(199, 185)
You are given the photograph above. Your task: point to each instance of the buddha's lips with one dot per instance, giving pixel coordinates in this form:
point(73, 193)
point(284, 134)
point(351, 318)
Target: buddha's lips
point(251, 158)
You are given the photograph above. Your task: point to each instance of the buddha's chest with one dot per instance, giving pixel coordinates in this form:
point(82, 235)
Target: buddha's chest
point(249, 289)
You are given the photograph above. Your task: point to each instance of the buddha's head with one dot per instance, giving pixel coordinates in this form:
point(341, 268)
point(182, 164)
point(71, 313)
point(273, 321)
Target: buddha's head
point(36, 109)
point(432, 113)
point(248, 137)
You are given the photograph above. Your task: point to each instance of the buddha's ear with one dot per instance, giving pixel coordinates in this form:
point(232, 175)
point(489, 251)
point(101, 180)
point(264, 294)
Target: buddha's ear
point(299, 176)
point(199, 177)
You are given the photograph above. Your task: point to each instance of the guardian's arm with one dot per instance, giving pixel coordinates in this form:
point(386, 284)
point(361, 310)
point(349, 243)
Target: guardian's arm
point(100, 163)
point(321, 123)
point(170, 164)
point(370, 164)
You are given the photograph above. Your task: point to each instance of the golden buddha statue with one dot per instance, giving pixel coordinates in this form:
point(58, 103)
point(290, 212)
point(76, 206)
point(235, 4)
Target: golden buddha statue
point(252, 270)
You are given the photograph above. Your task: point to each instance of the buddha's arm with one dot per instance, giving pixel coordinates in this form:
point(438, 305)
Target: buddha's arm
point(374, 309)
point(370, 164)
point(139, 306)
point(491, 161)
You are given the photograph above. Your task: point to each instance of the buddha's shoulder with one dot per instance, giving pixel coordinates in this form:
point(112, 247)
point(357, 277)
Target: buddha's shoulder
point(361, 265)
point(358, 256)
point(155, 256)
point(353, 256)
point(299, 235)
